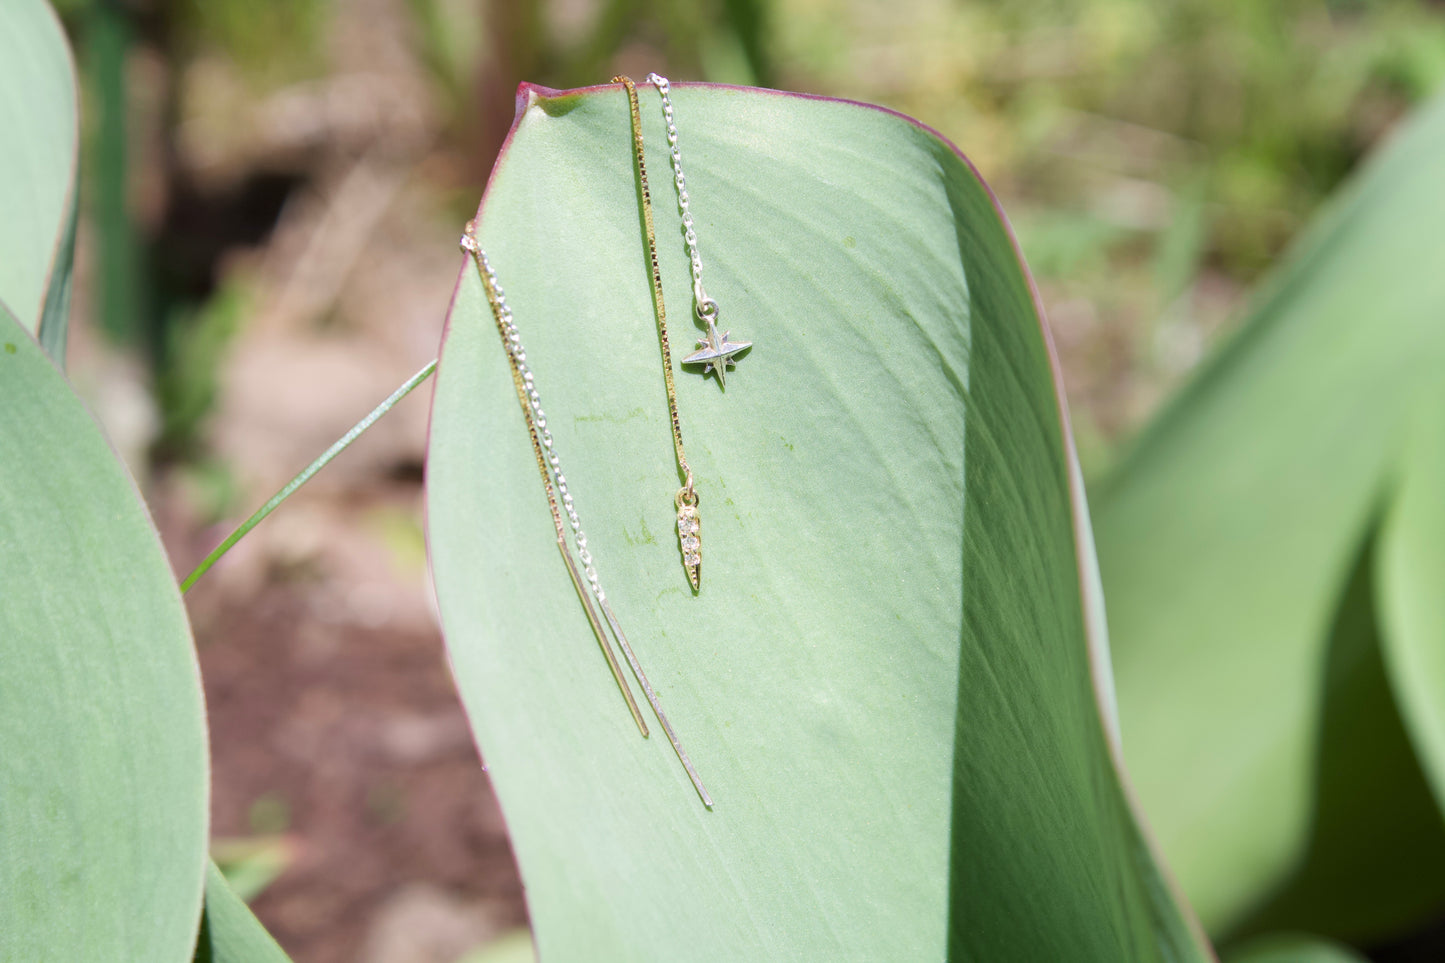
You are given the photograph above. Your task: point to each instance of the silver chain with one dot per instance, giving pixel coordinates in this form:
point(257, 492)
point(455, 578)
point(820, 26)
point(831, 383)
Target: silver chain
point(512, 342)
point(705, 306)
point(514, 348)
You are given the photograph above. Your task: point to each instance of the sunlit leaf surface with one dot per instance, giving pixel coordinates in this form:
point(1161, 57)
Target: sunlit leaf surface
point(885, 680)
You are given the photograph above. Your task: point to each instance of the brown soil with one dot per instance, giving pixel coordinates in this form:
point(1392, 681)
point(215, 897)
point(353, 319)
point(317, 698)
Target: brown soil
point(358, 735)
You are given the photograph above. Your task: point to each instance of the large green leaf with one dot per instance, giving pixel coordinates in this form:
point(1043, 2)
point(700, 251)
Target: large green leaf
point(230, 933)
point(38, 131)
point(1229, 535)
point(1292, 948)
point(1411, 588)
point(103, 772)
point(886, 679)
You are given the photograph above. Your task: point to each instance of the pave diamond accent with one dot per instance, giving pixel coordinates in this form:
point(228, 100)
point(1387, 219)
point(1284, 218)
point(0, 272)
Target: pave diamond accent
point(690, 539)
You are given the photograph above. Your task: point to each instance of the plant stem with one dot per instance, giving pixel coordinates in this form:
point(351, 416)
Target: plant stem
point(306, 474)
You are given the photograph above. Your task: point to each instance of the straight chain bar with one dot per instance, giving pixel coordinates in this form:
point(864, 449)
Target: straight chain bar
point(550, 468)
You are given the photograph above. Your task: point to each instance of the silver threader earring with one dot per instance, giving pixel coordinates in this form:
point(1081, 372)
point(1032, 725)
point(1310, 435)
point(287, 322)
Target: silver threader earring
point(715, 352)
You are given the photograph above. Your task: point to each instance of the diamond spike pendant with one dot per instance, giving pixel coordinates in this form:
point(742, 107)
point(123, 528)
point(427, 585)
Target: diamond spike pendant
point(689, 536)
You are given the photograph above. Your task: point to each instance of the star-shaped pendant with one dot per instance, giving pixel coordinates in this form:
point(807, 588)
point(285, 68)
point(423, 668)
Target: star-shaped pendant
point(716, 352)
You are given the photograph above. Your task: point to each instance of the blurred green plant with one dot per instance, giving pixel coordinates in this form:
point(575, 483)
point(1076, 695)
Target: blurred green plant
point(252, 863)
point(123, 284)
point(450, 39)
point(1108, 125)
point(104, 779)
point(1268, 601)
point(186, 385)
point(571, 46)
point(274, 41)
point(1292, 948)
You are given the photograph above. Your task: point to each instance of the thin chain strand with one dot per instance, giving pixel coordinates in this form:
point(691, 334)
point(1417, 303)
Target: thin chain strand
point(531, 402)
point(513, 343)
point(527, 397)
point(705, 306)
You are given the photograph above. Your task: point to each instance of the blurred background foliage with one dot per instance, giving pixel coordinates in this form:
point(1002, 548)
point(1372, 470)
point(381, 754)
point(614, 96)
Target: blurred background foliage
point(272, 190)
point(1155, 157)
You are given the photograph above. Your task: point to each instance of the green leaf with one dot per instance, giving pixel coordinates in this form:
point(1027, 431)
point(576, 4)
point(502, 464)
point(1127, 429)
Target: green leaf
point(886, 680)
point(1292, 948)
point(103, 776)
point(38, 171)
point(1374, 860)
point(230, 932)
point(1411, 587)
point(1227, 538)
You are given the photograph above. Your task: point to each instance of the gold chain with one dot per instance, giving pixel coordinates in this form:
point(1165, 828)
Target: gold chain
point(656, 272)
point(469, 242)
point(686, 499)
point(555, 483)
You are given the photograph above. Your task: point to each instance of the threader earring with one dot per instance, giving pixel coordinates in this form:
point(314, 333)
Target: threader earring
point(689, 523)
point(554, 483)
point(715, 352)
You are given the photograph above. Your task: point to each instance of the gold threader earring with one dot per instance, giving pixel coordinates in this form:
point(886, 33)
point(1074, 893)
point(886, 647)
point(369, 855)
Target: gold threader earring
point(689, 523)
point(715, 352)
